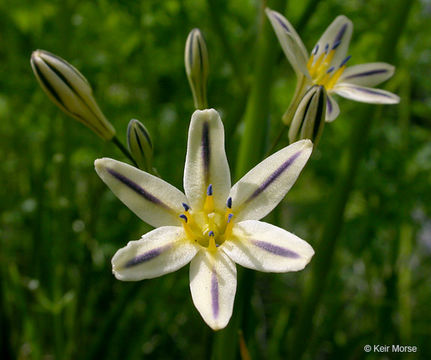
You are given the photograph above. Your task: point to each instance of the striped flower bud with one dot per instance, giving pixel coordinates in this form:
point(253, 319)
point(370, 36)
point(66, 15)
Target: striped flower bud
point(140, 145)
point(70, 91)
point(309, 117)
point(196, 63)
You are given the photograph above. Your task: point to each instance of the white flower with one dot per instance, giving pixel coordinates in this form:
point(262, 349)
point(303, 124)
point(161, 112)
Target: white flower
point(212, 225)
point(326, 65)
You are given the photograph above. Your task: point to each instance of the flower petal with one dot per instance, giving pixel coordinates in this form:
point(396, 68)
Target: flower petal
point(264, 247)
point(332, 109)
point(337, 36)
point(290, 41)
point(161, 251)
point(213, 287)
point(263, 187)
point(370, 74)
point(155, 201)
point(206, 161)
point(366, 94)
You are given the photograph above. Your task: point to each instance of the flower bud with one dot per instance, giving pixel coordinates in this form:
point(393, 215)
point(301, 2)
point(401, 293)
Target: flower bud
point(196, 63)
point(70, 91)
point(140, 145)
point(309, 117)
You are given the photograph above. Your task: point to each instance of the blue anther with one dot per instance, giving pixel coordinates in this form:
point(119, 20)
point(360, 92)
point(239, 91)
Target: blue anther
point(186, 207)
point(336, 44)
point(211, 233)
point(229, 218)
point(316, 49)
point(182, 216)
point(345, 60)
point(210, 190)
point(326, 48)
point(331, 69)
point(229, 203)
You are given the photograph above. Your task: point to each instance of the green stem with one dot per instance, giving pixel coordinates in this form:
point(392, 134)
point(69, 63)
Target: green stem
point(123, 149)
point(322, 262)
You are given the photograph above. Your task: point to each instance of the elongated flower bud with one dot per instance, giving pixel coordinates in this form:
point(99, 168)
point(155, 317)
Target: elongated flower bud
point(309, 117)
point(140, 145)
point(196, 63)
point(70, 91)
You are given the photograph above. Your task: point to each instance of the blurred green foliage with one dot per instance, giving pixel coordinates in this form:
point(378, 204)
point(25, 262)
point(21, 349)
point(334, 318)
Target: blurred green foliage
point(60, 225)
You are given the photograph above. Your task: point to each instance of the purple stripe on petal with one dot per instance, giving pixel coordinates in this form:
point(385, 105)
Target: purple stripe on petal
point(281, 22)
point(136, 188)
point(340, 34)
point(276, 250)
point(329, 105)
point(271, 178)
point(372, 92)
point(147, 256)
point(206, 153)
point(366, 73)
point(214, 294)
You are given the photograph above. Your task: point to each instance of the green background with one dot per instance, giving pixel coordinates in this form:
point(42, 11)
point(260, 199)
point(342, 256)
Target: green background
point(60, 225)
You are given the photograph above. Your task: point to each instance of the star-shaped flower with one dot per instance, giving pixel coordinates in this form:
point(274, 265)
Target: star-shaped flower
point(326, 65)
point(212, 225)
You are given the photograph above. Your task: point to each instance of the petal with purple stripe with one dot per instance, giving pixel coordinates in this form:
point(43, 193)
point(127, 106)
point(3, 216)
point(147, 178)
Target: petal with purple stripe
point(206, 161)
point(213, 287)
point(264, 247)
point(264, 186)
point(337, 36)
point(332, 109)
point(155, 201)
point(290, 42)
point(370, 74)
point(366, 94)
point(161, 251)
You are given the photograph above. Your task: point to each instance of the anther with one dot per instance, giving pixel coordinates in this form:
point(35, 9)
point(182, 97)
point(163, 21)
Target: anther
point(210, 190)
point(315, 50)
point(211, 233)
point(229, 203)
point(331, 69)
point(326, 48)
point(182, 216)
point(345, 61)
point(186, 207)
point(336, 44)
point(229, 218)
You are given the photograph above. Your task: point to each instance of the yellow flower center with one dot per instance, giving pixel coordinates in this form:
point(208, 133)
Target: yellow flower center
point(320, 69)
point(208, 227)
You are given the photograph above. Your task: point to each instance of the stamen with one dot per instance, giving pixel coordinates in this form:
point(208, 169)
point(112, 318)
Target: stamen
point(187, 228)
point(345, 61)
point(209, 201)
point(333, 80)
point(229, 226)
point(316, 65)
point(186, 207)
point(212, 244)
point(229, 203)
point(229, 218)
point(336, 44)
point(330, 70)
